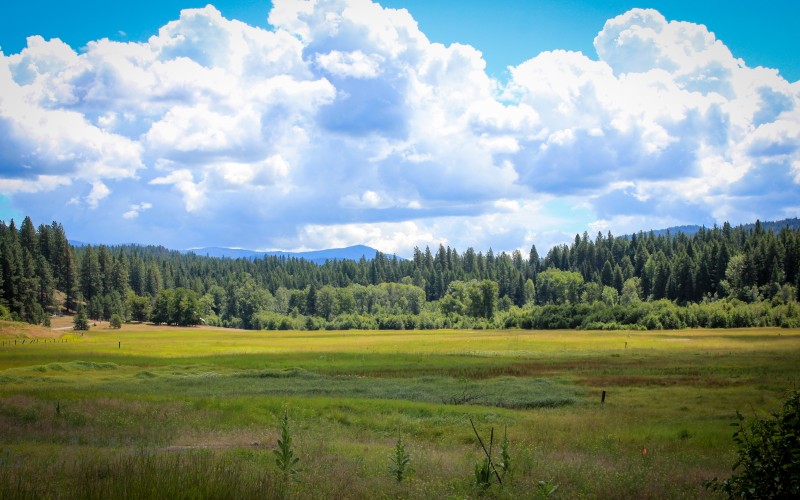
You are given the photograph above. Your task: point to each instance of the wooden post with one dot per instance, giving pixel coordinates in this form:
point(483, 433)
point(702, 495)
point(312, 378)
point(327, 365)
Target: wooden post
point(603, 397)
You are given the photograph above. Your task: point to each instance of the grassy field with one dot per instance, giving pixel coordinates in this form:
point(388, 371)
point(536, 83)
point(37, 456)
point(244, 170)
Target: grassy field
point(186, 413)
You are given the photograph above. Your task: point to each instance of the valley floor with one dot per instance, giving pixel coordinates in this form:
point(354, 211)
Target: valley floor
point(168, 412)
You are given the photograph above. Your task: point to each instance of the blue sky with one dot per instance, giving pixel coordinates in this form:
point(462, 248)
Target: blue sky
point(507, 32)
point(342, 122)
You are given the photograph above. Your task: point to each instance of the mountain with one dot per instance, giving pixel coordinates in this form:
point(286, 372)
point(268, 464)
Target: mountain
point(316, 256)
point(774, 226)
point(688, 230)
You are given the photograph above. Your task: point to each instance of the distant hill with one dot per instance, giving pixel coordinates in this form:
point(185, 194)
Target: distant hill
point(316, 256)
point(774, 226)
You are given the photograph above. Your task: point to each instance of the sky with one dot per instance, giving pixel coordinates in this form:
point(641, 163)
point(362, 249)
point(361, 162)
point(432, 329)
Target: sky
point(300, 125)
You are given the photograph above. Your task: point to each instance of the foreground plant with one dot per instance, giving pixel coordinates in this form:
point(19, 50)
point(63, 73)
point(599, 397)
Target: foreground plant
point(546, 489)
point(505, 456)
point(485, 470)
point(483, 474)
point(400, 461)
point(285, 458)
point(769, 455)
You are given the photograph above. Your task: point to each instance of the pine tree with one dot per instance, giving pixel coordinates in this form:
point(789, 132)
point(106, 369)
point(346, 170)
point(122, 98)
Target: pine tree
point(119, 274)
point(311, 301)
point(69, 280)
point(27, 237)
point(91, 280)
point(12, 269)
point(46, 282)
point(607, 275)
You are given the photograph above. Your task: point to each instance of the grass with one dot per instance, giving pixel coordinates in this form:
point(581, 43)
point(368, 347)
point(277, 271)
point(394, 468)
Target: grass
point(196, 411)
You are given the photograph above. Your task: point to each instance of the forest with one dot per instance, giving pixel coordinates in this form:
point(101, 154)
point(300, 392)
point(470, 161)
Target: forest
point(716, 278)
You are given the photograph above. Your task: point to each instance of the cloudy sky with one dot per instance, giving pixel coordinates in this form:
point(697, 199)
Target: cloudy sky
point(306, 125)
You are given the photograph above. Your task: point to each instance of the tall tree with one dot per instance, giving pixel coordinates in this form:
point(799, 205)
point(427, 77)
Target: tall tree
point(91, 279)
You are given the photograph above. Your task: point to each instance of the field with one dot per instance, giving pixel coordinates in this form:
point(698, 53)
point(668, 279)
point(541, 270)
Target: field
point(184, 413)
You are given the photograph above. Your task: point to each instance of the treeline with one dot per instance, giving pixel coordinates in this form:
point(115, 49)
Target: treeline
point(703, 279)
point(34, 263)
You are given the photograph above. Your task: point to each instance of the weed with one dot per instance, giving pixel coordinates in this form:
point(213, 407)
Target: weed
point(483, 474)
point(285, 458)
point(401, 460)
point(505, 456)
point(485, 468)
point(546, 489)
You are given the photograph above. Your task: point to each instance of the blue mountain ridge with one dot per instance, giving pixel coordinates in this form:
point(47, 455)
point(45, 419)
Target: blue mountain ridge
point(357, 251)
point(317, 256)
point(688, 230)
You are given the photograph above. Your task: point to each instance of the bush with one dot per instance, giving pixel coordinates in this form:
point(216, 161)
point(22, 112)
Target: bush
point(651, 322)
point(80, 322)
point(769, 456)
point(115, 321)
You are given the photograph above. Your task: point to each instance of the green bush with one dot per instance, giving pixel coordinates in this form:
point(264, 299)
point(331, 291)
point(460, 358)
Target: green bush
point(768, 465)
point(115, 321)
point(80, 321)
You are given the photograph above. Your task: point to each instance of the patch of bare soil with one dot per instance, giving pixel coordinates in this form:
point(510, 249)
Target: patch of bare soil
point(16, 329)
point(224, 440)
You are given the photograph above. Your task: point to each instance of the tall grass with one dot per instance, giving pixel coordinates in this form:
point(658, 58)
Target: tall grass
point(195, 412)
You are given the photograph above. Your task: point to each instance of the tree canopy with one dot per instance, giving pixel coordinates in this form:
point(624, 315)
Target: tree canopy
point(42, 274)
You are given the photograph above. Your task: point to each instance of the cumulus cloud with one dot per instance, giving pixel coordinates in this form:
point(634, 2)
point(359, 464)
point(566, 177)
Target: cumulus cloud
point(194, 194)
point(98, 193)
point(345, 124)
point(136, 209)
point(354, 64)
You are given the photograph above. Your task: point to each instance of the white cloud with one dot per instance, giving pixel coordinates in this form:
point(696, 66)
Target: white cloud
point(239, 175)
point(42, 183)
point(136, 209)
point(193, 193)
point(354, 64)
point(388, 237)
point(98, 193)
point(347, 125)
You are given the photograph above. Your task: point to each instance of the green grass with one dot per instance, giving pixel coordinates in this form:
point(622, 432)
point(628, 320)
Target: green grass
point(196, 412)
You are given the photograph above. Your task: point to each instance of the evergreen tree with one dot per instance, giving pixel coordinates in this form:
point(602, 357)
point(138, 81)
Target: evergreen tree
point(91, 279)
point(311, 301)
point(607, 274)
point(68, 281)
point(12, 269)
point(80, 321)
point(46, 282)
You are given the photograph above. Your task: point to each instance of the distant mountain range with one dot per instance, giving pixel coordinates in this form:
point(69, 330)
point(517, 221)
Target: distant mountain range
point(316, 256)
point(774, 226)
point(357, 251)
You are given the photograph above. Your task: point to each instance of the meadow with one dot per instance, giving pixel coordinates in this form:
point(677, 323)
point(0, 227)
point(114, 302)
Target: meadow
point(150, 411)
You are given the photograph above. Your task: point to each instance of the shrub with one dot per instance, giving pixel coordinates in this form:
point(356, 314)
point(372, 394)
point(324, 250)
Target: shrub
point(80, 321)
point(768, 464)
point(115, 321)
point(651, 322)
